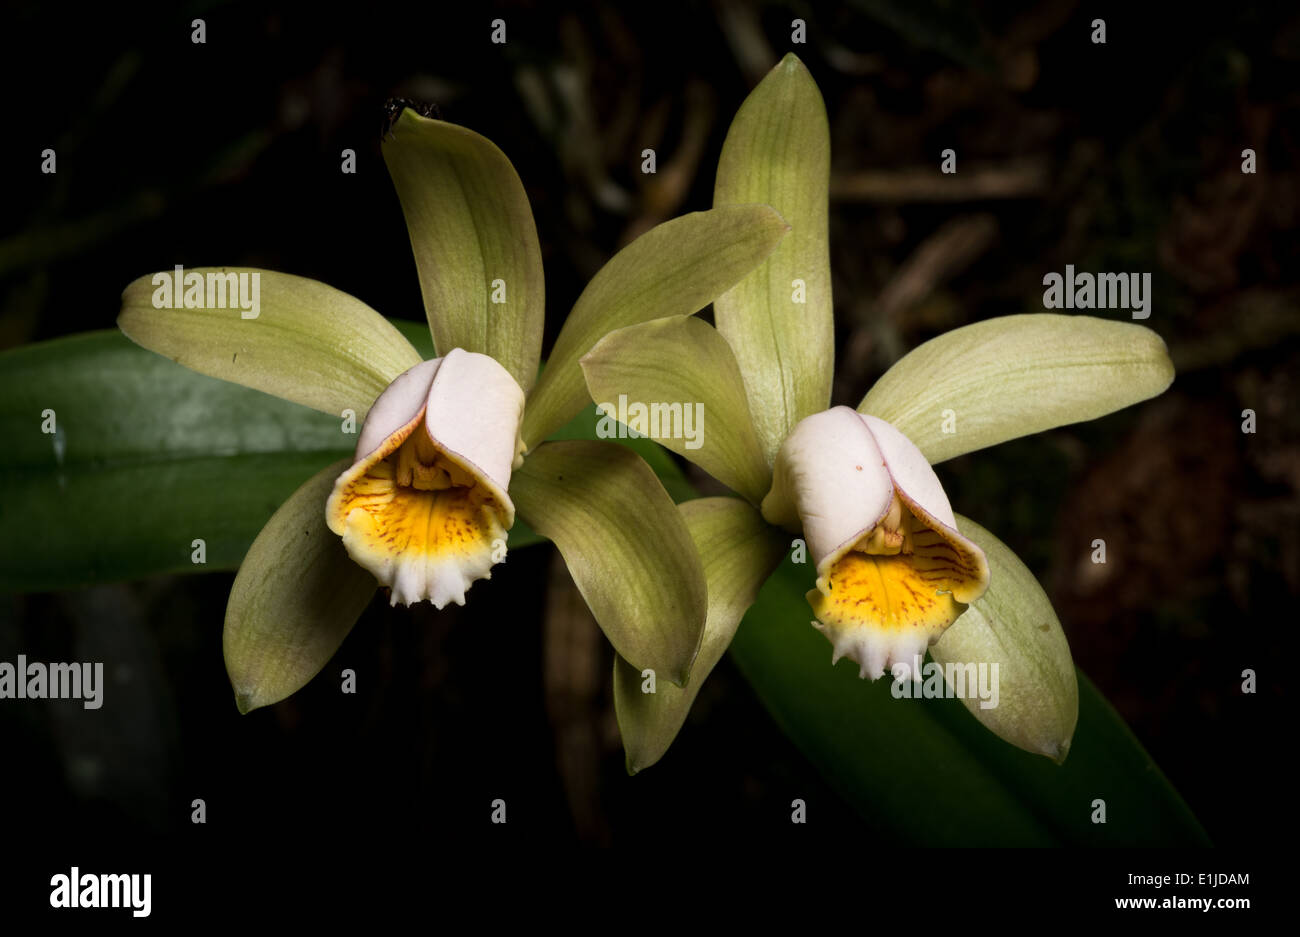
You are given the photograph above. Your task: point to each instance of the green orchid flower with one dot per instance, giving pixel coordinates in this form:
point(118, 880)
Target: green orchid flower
point(898, 572)
point(450, 448)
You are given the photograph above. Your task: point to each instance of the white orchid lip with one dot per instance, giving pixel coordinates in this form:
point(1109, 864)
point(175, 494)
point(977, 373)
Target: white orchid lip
point(893, 572)
point(425, 506)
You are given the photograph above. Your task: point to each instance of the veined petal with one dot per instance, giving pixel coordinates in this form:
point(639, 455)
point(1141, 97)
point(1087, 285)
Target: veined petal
point(306, 342)
point(1003, 378)
point(626, 545)
point(681, 371)
point(474, 240)
point(779, 320)
point(738, 552)
point(892, 569)
point(674, 269)
point(425, 506)
point(1012, 630)
point(296, 597)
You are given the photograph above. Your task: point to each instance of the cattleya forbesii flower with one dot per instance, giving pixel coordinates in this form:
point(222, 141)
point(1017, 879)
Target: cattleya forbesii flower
point(897, 571)
point(893, 572)
point(427, 497)
point(450, 448)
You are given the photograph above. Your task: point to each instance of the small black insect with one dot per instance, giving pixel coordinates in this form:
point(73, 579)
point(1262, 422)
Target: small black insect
point(393, 108)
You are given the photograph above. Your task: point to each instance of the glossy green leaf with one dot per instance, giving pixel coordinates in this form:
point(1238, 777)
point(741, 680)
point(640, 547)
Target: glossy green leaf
point(475, 242)
point(1013, 626)
point(296, 597)
point(626, 546)
point(738, 550)
point(778, 320)
point(674, 269)
point(985, 383)
point(682, 362)
point(925, 772)
point(310, 343)
point(145, 458)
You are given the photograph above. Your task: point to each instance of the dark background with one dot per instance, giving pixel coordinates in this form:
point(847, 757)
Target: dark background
point(1123, 156)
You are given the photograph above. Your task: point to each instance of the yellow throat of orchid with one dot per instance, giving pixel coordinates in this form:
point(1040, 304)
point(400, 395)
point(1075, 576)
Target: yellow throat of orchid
point(902, 577)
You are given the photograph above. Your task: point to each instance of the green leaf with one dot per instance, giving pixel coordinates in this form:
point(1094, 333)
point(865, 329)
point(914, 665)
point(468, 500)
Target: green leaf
point(923, 772)
point(983, 384)
point(738, 550)
point(129, 521)
point(310, 343)
point(296, 597)
point(1014, 626)
point(684, 362)
point(145, 458)
point(626, 546)
point(674, 269)
point(778, 152)
point(474, 240)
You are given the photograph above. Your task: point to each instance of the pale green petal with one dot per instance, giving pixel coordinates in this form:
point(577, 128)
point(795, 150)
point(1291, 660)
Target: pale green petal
point(626, 546)
point(738, 551)
point(995, 380)
point(309, 343)
point(296, 597)
point(778, 152)
point(474, 240)
point(683, 362)
point(1013, 625)
point(674, 269)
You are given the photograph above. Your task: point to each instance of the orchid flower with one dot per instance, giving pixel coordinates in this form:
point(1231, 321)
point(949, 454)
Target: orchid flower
point(897, 571)
point(449, 449)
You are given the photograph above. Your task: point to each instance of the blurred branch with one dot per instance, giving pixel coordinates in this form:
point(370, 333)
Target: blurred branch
point(1019, 178)
point(741, 25)
point(54, 241)
point(1263, 318)
point(937, 259)
point(941, 256)
point(663, 192)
